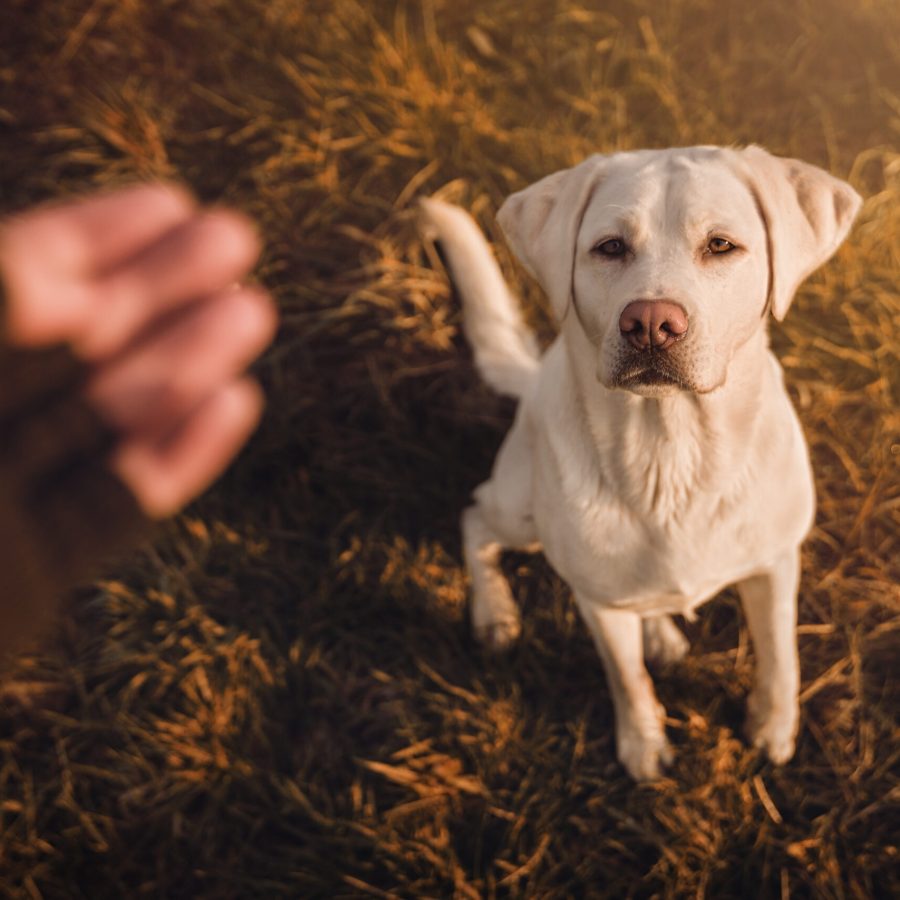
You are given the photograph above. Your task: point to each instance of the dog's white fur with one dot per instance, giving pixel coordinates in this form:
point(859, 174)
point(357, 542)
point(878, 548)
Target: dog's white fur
point(651, 480)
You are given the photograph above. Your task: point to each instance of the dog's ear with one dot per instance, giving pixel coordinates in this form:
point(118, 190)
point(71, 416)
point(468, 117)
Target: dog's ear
point(807, 214)
point(541, 224)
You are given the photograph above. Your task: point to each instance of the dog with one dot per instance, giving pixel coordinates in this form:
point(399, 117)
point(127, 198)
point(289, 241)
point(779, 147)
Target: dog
point(655, 456)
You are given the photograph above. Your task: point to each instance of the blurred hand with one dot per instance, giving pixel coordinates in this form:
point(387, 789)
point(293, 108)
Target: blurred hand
point(143, 286)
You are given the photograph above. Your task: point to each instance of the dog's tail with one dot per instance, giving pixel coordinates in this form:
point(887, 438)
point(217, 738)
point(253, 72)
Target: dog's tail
point(506, 353)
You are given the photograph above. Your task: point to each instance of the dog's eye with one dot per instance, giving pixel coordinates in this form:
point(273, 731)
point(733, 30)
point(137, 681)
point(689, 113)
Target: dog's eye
point(611, 247)
point(719, 245)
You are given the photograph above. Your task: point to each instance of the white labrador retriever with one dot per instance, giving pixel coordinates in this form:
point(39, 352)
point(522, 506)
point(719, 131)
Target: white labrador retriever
point(655, 456)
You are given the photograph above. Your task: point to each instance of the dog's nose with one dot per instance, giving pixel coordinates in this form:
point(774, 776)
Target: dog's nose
point(655, 324)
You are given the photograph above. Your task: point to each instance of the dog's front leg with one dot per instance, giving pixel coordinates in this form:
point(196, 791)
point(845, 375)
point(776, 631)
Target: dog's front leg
point(641, 743)
point(770, 604)
point(494, 614)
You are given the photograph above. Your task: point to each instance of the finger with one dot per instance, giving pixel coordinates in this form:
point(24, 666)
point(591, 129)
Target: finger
point(49, 256)
point(199, 258)
point(165, 475)
point(170, 374)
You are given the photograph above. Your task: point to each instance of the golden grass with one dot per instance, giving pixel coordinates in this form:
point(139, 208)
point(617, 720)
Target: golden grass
point(280, 697)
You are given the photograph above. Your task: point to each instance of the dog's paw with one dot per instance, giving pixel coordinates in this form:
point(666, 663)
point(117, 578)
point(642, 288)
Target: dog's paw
point(498, 635)
point(664, 641)
point(772, 730)
point(643, 751)
point(496, 622)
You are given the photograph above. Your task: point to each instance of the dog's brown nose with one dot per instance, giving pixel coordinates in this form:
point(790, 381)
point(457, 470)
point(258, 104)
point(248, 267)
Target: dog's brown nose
point(655, 324)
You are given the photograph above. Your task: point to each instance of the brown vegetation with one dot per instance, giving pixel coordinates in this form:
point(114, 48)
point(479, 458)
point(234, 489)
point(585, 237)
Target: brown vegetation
point(281, 697)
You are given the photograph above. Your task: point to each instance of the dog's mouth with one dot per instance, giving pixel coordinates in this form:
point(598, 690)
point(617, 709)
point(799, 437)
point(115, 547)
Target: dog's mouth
point(649, 370)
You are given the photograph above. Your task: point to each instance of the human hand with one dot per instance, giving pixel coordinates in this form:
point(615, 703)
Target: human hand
point(140, 284)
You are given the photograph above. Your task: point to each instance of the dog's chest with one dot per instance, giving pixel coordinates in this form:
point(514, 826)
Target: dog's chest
point(606, 552)
point(642, 532)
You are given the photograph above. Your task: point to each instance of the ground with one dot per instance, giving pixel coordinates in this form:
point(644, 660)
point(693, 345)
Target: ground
point(279, 696)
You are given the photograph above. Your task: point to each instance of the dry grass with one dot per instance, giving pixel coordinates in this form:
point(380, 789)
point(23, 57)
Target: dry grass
point(280, 697)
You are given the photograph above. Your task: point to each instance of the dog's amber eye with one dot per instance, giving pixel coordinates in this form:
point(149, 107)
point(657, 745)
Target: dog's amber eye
point(611, 247)
point(719, 245)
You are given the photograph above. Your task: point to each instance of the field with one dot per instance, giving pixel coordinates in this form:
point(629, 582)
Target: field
point(280, 697)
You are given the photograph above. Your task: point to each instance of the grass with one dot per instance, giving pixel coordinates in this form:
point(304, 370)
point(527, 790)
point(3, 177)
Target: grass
point(280, 697)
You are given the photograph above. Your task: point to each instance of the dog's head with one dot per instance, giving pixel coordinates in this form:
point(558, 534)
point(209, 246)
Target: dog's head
point(667, 261)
